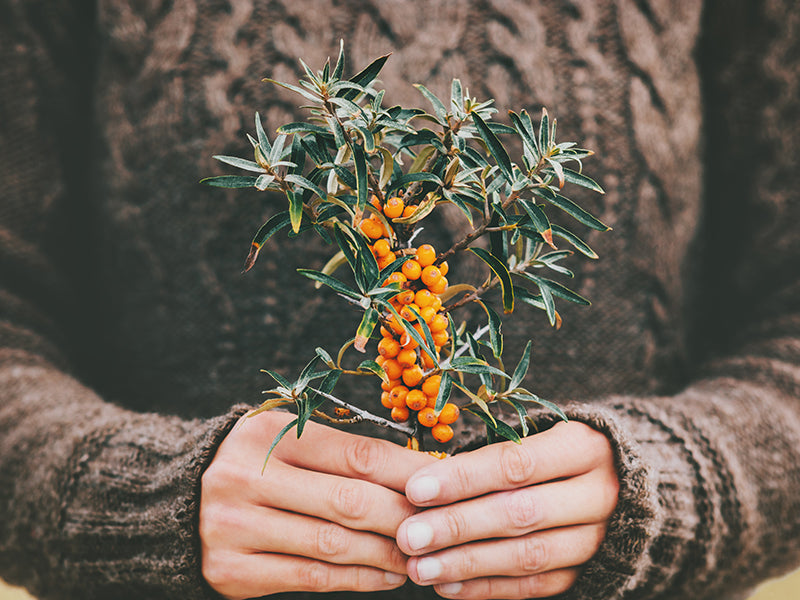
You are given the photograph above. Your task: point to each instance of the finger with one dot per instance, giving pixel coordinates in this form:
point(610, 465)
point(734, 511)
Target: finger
point(575, 501)
point(542, 585)
point(537, 552)
point(238, 576)
point(277, 531)
point(352, 503)
point(336, 452)
point(566, 450)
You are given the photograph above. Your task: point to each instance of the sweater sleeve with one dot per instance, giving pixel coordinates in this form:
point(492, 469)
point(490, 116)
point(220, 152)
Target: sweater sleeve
point(709, 503)
point(95, 501)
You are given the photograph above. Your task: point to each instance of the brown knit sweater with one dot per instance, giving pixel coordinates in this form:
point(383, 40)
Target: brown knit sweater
point(126, 325)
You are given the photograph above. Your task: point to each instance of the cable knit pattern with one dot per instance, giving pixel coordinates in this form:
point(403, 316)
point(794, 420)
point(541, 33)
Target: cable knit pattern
point(126, 325)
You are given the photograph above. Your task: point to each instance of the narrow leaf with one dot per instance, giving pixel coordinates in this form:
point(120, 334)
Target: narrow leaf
point(503, 275)
point(230, 181)
point(263, 140)
point(522, 368)
point(365, 329)
point(241, 163)
point(277, 439)
point(496, 149)
point(361, 175)
point(439, 108)
point(504, 430)
point(445, 389)
point(274, 224)
point(366, 76)
point(331, 282)
point(370, 366)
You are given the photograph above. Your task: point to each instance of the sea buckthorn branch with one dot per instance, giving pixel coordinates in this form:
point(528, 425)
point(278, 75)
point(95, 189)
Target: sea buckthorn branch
point(363, 177)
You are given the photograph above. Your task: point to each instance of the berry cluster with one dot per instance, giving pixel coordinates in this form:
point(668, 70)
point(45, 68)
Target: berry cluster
point(412, 385)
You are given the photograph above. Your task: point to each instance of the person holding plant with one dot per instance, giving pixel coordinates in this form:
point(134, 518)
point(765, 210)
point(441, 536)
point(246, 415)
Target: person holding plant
point(128, 331)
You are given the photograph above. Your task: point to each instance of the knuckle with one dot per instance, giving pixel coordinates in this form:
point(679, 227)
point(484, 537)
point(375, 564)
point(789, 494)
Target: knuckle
point(516, 464)
point(331, 540)
point(364, 456)
point(216, 521)
point(217, 570)
point(467, 565)
point(313, 576)
point(348, 500)
point(532, 554)
point(455, 523)
point(530, 586)
point(523, 510)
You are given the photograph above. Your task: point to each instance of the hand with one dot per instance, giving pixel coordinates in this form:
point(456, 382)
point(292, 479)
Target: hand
point(321, 517)
point(511, 521)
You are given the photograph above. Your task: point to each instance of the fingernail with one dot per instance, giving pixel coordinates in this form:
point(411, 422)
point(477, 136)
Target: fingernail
point(418, 535)
point(423, 489)
point(429, 568)
point(449, 588)
point(393, 578)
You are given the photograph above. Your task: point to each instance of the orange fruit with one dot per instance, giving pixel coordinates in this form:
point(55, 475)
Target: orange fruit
point(411, 269)
point(430, 276)
point(416, 400)
point(409, 210)
point(425, 255)
point(400, 414)
point(427, 417)
point(396, 277)
point(438, 323)
point(392, 368)
point(412, 376)
point(388, 347)
point(430, 386)
point(444, 268)
point(407, 357)
point(386, 400)
point(441, 433)
point(424, 298)
point(440, 338)
point(386, 387)
point(407, 312)
point(449, 414)
point(398, 395)
point(394, 207)
point(427, 314)
point(405, 297)
point(371, 229)
point(385, 260)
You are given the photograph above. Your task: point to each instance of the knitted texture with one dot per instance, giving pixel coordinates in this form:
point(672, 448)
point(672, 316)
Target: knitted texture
point(126, 325)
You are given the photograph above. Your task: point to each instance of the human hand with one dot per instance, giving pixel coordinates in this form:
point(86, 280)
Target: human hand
point(509, 520)
point(322, 516)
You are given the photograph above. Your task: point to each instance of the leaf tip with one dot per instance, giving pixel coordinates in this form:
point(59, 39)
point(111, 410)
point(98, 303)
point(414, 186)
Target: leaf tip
point(255, 248)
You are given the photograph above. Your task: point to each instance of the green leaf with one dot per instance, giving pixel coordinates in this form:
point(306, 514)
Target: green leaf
point(301, 181)
point(230, 181)
point(240, 163)
point(544, 132)
point(439, 108)
point(557, 289)
point(387, 167)
point(445, 388)
point(331, 282)
point(366, 264)
point(477, 400)
point(495, 325)
point(362, 186)
point(365, 328)
point(339, 68)
point(280, 379)
point(409, 328)
point(572, 209)
point(366, 76)
point(274, 224)
point(326, 358)
point(295, 210)
point(263, 140)
point(503, 275)
point(526, 396)
point(306, 375)
point(370, 366)
point(540, 221)
point(298, 90)
point(525, 130)
point(504, 430)
point(496, 149)
point(277, 439)
point(425, 329)
point(301, 127)
point(419, 176)
point(456, 96)
point(423, 210)
point(521, 413)
point(522, 368)
point(474, 366)
point(573, 239)
point(582, 180)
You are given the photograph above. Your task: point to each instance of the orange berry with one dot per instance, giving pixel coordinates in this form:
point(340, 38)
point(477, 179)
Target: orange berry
point(431, 385)
point(444, 268)
point(405, 297)
point(394, 207)
point(387, 387)
point(440, 286)
point(386, 400)
point(382, 247)
point(398, 395)
point(396, 277)
point(426, 255)
point(441, 433)
point(427, 417)
point(392, 368)
point(438, 323)
point(400, 414)
point(388, 347)
point(375, 202)
point(409, 210)
point(427, 361)
point(412, 376)
point(431, 402)
point(407, 312)
point(395, 326)
point(407, 357)
point(371, 229)
point(430, 276)
point(385, 332)
point(440, 338)
point(380, 359)
point(387, 259)
point(424, 298)
point(427, 313)
point(411, 269)
point(437, 303)
point(449, 414)
point(416, 400)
